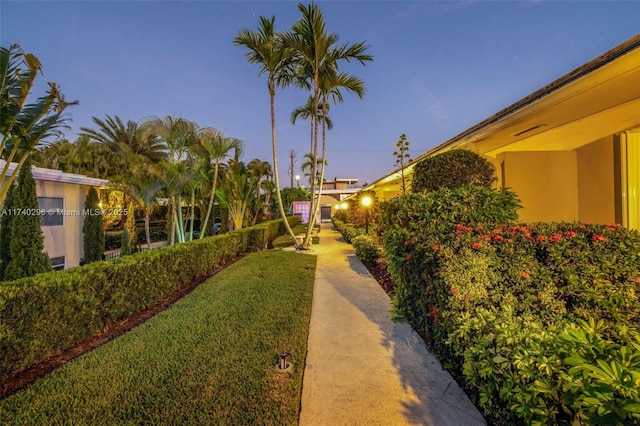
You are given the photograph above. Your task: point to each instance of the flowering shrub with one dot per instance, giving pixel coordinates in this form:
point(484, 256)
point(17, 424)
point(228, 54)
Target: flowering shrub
point(513, 307)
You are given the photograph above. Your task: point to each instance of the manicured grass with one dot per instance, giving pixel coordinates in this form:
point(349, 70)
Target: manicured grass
point(209, 359)
point(285, 240)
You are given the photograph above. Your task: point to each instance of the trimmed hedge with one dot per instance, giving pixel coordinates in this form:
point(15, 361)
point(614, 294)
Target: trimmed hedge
point(349, 231)
point(366, 249)
point(452, 169)
point(50, 312)
point(541, 319)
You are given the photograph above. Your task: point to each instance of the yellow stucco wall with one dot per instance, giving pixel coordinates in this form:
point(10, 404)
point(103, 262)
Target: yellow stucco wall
point(596, 187)
point(64, 240)
point(546, 182)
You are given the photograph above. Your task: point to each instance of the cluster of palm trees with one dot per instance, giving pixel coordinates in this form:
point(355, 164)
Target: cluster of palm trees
point(173, 159)
point(308, 57)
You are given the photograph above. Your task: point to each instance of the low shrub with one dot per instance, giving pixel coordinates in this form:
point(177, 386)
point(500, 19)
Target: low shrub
point(452, 169)
point(50, 312)
point(366, 249)
point(527, 372)
point(350, 231)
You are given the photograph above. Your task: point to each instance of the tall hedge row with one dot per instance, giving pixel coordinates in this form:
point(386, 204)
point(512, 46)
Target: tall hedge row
point(50, 312)
point(542, 319)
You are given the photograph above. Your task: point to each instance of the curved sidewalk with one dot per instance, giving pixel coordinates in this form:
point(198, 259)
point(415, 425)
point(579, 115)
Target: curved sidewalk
point(362, 368)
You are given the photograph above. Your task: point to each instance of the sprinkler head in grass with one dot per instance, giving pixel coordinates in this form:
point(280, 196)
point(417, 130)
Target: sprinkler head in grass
point(284, 366)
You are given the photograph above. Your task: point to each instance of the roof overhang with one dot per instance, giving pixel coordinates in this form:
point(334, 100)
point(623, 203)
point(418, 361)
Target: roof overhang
point(595, 100)
point(51, 175)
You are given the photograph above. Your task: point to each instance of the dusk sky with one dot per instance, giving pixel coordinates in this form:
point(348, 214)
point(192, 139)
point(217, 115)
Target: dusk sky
point(439, 67)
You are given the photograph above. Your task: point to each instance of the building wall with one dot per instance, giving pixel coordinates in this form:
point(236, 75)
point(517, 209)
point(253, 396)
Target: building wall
point(596, 182)
point(546, 182)
point(66, 240)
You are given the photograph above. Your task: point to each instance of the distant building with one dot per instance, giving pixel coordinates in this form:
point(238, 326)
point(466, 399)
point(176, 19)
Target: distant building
point(62, 196)
point(333, 192)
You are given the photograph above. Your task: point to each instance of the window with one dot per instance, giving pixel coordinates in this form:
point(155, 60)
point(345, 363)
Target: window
point(53, 208)
point(57, 263)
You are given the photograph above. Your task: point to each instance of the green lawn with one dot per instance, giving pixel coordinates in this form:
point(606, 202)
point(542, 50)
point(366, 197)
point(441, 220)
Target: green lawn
point(209, 359)
point(285, 240)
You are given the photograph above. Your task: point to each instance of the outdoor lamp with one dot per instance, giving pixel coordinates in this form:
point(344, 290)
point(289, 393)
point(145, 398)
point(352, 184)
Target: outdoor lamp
point(366, 202)
point(297, 180)
point(344, 206)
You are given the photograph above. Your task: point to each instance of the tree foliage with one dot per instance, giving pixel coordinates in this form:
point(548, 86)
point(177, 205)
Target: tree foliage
point(27, 241)
point(23, 125)
point(452, 169)
point(92, 230)
point(5, 231)
point(402, 157)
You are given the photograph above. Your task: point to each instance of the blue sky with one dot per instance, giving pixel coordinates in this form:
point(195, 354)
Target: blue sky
point(439, 67)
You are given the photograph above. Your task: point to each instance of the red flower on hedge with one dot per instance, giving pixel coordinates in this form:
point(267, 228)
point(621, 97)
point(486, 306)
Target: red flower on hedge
point(475, 246)
point(541, 238)
point(407, 242)
point(433, 311)
point(525, 275)
point(569, 234)
point(454, 290)
point(437, 247)
point(409, 256)
point(555, 237)
point(497, 237)
point(598, 237)
point(638, 280)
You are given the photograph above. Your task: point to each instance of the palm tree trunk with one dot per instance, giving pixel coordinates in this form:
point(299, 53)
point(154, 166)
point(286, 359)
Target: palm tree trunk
point(276, 175)
point(147, 232)
point(180, 226)
point(193, 212)
point(323, 162)
point(314, 164)
point(211, 201)
point(174, 216)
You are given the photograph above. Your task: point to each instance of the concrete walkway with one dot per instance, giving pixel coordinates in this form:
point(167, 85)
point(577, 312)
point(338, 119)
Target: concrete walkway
point(363, 369)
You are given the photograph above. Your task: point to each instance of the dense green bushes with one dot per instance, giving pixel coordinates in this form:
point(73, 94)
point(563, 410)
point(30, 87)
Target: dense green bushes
point(49, 312)
point(349, 231)
point(452, 169)
point(92, 230)
point(541, 319)
point(366, 249)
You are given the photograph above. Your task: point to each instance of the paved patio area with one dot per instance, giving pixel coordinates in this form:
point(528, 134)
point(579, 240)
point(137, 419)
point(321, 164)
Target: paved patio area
point(362, 368)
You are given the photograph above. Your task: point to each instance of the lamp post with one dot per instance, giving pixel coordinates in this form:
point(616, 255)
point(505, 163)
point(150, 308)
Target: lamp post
point(297, 180)
point(366, 202)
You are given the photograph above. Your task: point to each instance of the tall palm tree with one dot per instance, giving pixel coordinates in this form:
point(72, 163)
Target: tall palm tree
point(124, 141)
point(216, 147)
point(24, 125)
point(316, 55)
point(307, 112)
point(274, 60)
point(331, 83)
point(238, 192)
point(179, 136)
point(307, 166)
point(260, 172)
point(175, 177)
point(143, 192)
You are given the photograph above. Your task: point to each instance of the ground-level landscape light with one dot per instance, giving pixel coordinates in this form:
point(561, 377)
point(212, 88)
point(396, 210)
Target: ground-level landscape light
point(284, 366)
